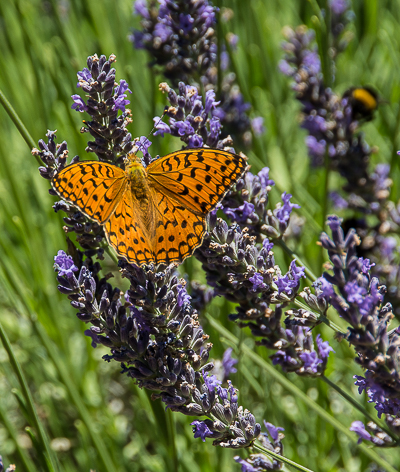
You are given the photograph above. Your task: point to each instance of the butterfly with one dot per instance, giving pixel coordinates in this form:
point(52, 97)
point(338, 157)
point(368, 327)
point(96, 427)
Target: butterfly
point(154, 214)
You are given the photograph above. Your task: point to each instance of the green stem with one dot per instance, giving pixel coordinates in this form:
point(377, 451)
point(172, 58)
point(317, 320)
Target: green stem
point(111, 253)
point(299, 394)
point(171, 439)
point(65, 376)
point(359, 407)
point(321, 317)
point(324, 204)
point(18, 123)
point(281, 458)
point(50, 460)
point(29, 466)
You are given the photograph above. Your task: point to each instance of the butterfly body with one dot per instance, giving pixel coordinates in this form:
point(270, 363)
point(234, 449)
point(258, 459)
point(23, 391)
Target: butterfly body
point(153, 214)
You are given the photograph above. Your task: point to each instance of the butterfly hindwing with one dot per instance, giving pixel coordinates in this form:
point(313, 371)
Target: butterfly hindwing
point(179, 231)
point(126, 233)
point(196, 178)
point(94, 187)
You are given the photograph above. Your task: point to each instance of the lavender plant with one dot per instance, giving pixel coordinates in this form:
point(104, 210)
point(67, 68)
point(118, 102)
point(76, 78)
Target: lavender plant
point(332, 123)
point(181, 39)
point(359, 301)
point(152, 329)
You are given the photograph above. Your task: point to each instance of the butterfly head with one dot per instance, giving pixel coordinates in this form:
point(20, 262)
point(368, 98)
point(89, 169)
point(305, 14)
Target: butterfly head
point(132, 157)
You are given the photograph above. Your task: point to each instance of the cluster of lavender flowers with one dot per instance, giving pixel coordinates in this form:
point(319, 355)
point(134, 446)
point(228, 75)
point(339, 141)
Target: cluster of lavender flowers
point(152, 329)
point(332, 124)
point(181, 40)
point(358, 299)
point(179, 36)
point(190, 120)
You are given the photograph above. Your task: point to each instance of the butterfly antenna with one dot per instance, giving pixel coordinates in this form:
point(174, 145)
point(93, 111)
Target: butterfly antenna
point(155, 125)
point(159, 121)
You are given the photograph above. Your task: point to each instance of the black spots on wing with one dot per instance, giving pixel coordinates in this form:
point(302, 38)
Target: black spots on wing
point(64, 179)
point(186, 159)
point(70, 185)
point(85, 191)
point(142, 239)
point(167, 166)
point(208, 179)
point(161, 239)
point(108, 200)
point(197, 223)
point(121, 230)
point(109, 173)
point(183, 224)
point(193, 172)
point(199, 187)
point(223, 169)
point(95, 197)
point(171, 238)
point(184, 192)
point(200, 157)
point(204, 207)
point(135, 241)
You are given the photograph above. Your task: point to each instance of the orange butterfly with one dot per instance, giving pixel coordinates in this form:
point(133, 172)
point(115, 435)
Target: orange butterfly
point(155, 213)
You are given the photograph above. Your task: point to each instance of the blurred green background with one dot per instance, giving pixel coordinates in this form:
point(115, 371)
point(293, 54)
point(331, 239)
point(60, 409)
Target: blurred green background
point(95, 417)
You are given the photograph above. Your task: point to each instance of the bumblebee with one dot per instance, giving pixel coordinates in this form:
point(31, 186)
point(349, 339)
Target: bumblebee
point(364, 101)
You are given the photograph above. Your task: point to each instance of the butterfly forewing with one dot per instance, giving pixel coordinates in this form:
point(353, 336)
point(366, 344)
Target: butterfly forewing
point(196, 178)
point(94, 187)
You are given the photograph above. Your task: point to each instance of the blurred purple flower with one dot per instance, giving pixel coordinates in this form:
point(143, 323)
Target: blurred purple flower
point(228, 362)
point(359, 428)
point(257, 125)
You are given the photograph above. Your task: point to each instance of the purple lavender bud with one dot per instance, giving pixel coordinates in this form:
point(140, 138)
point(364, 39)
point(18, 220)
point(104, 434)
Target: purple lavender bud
point(283, 213)
point(79, 104)
point(338, 7)
point(273, 431)
point(64, 264)
point(245, 466)
point(140, 8)
point(323, 347)
point(161, 127)
point(201, 430)
point(359, 428)
point(258, 282)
